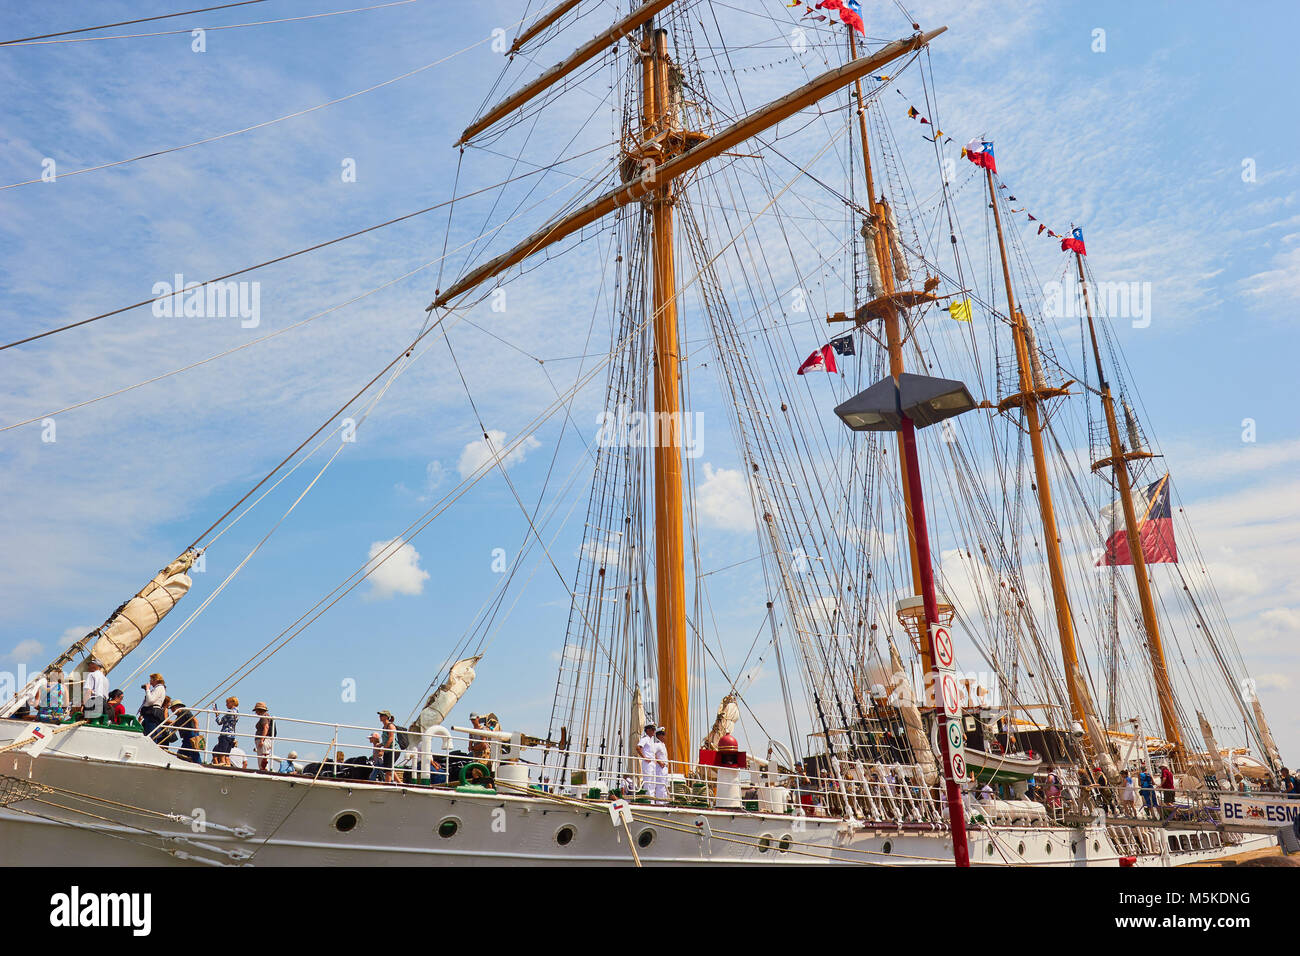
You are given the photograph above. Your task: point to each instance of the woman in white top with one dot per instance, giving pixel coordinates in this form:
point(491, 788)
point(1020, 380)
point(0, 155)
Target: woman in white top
point(1129, 797)
point(151, 711)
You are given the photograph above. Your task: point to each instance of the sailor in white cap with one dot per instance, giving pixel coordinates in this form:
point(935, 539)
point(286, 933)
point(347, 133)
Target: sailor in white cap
point(94, 690)
point(646, 748)
point(661, 766)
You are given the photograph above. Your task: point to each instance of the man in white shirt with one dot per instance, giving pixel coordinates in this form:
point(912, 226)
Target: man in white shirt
point(646, 748)
point(238, 757)
point(661, 767)
point(94, 690)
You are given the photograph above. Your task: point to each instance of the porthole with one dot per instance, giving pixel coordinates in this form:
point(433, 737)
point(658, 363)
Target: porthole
point(1049, 847)
point(784, 845)
point(448, 828)
point(765, 843)
point(565, 834)
point(1074, 846)
point(645, 837)
point(347, 821)
point(887, 847)
point(1096, 846)
point(989, 849)
point(1020, 850)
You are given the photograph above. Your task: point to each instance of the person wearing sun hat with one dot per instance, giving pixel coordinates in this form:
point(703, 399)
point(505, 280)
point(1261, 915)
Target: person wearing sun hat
point(263, 736)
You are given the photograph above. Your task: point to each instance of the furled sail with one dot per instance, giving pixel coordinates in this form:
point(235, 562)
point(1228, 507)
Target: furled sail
point(1216, 762)
point(728, 714)
point(123, 631)
point(442, 700)
point(901, 692)
point(132, 622)
point(1266, 735)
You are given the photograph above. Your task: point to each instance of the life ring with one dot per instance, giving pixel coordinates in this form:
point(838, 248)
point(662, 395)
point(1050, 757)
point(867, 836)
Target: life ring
point(476, 774)
point(996, 748)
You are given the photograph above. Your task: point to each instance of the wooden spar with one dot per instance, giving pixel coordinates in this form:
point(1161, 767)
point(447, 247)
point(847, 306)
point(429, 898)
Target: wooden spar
point(736, 133)
point(1031, 394)
point(542, 24)
point(1118, 462)
point(577, 58)
point(881, 239)
point(673, 701)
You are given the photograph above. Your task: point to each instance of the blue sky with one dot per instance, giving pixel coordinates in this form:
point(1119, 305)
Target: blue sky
point(1143, 144)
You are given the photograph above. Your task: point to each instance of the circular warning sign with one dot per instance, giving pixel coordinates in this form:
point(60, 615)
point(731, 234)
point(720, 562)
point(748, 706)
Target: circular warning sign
point(958, 767)
point(951, 706)
point(942, 647)
point(956, 740)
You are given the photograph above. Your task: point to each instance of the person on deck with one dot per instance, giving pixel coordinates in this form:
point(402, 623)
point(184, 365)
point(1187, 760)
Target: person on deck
point(388, 740)
point(1167, 784)
point(152, 712)
point(52, 700)
point(237, 758)
point(94, 690)
point(646, 748)
point(376, 757)
point(263, 736)
point(1129, 796)
point(115, 709)
point(226, 737)
point(661, 766)
point(287, 765)
point(187, 726)
point(1147, 786)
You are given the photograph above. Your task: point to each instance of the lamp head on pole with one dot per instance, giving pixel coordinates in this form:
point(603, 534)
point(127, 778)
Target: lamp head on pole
point(923, 399)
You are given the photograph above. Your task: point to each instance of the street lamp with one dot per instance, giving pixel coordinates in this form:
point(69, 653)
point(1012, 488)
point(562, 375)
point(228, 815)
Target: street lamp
point(904, 404)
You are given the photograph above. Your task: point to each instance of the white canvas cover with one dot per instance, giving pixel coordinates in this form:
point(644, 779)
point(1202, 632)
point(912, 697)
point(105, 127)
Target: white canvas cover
point(442, 700)
point(132, 622)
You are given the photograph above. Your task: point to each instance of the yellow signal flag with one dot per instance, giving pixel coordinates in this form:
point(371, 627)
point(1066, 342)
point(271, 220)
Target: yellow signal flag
point(960, 310)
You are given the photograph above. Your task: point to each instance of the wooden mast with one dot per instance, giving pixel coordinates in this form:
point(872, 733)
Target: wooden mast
point(673, 704)
point(881, 240)
point(1118, 462)
point(1030, 397)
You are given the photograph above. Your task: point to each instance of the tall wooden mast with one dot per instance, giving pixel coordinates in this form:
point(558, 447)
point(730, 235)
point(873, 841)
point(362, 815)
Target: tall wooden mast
point(670, 556)
point(1031, 395)
point(881, 239)
point(1118, 462)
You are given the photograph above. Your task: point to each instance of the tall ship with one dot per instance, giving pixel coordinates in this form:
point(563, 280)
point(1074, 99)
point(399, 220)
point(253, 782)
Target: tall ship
point(985, 634)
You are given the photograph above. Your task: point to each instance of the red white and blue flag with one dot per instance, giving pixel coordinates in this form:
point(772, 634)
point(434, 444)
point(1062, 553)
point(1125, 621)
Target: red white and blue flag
point(980, 153)
point(850, 12)
point(1155, 527)
point(1074, 242)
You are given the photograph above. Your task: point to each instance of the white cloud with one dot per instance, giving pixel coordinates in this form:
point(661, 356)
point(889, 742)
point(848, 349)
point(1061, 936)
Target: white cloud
point(399, 574)
point(722, 499)
point(25, 652)
point(1278, 282)
point(476, 453)
point(1272, 681)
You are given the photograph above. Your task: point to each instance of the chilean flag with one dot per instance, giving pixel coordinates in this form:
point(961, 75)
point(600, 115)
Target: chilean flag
point(1155, 527)
point(823, 360)
point(1074, 242)
point(981, 154)
point(850, 12)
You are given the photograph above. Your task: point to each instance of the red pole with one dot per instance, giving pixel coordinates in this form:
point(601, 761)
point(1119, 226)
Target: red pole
point(956, 811)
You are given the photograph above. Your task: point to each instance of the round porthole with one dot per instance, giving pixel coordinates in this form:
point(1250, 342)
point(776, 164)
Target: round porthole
point(784, 845)
point(1020, 850)
point(1049, 848)
point(565, 834)
point(1096, 845)
point(1074, 847)
point(887, 847)
point(765, 843)
point(645, 838)
point(347, 821)
point(448, 828)
point(989, 849)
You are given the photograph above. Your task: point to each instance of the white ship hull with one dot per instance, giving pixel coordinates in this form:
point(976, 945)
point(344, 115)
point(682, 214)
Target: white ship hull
point(115, 798)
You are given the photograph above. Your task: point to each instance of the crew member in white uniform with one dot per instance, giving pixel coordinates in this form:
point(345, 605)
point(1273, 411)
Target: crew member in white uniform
point(660, 767)
point(646, 748)
point(94, 690)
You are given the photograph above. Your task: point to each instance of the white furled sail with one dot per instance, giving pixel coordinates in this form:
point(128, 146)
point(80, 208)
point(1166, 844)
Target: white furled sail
point(901, 693)
point(132, 622)
point(123, 631)
point(1266, 735)
point(728, 714)
point(442, 700)
point(1215, 761)
point(638, 719)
